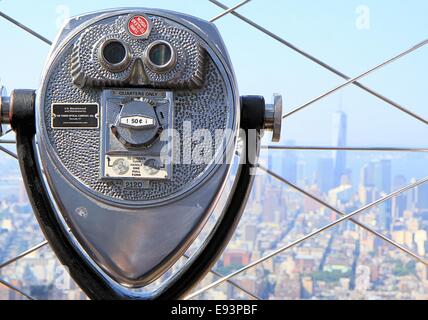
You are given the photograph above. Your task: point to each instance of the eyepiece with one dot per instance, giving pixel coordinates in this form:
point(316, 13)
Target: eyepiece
point(114, 55)
point(160, 56)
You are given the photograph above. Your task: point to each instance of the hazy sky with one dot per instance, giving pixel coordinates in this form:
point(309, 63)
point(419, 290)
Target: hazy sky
point(336, 31)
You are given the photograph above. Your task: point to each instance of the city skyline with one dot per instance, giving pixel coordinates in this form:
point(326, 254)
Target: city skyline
point(317, 269)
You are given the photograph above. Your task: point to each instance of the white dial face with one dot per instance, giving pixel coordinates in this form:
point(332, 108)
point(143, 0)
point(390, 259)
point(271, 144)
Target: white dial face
point(138, 122)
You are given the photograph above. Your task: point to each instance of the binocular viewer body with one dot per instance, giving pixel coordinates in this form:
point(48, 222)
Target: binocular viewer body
point(136, 126)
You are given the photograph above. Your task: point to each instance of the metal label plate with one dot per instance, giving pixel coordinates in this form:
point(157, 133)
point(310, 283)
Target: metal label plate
point(75, 116)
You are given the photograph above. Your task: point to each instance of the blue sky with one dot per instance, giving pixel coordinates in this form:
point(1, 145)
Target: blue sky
point(327, 29)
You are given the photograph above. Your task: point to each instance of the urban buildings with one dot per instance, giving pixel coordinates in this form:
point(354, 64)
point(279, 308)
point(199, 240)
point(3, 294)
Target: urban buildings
point(346, 262)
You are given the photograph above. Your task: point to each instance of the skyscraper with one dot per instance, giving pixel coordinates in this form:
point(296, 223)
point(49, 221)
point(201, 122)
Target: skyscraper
point(340, 125)
point(377, 174)
point(422, 198)
point(285, 164)
point(325, 174)
point(383, 182)
point(400, 202)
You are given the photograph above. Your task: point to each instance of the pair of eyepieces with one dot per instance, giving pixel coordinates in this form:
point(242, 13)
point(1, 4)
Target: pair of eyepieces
point(160, 56)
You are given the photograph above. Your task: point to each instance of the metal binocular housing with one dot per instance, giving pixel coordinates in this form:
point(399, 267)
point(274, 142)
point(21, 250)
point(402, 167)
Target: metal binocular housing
point(129, 150)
